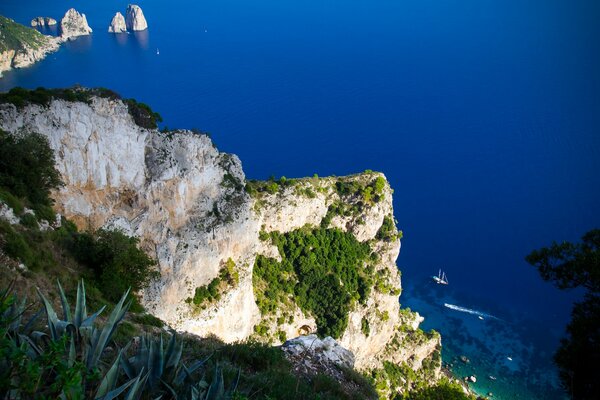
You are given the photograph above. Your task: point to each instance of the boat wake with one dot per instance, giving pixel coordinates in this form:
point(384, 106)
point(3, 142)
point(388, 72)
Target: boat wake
point(469, 311)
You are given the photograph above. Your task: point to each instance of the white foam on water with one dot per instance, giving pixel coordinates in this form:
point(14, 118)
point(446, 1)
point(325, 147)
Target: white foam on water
point(469, 311)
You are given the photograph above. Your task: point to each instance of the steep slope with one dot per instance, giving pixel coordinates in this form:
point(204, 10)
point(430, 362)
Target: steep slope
point(190, 206)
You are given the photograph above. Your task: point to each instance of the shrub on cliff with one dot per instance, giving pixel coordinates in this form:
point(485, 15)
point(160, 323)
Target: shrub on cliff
point(27, 168)
point(143, 115)
point(116, 260)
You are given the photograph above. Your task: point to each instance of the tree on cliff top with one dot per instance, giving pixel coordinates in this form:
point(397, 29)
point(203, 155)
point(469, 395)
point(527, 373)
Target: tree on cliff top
point(571, 265)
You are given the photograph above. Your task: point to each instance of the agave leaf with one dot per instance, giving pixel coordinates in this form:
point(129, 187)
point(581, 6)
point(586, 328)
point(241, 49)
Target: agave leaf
point(174, 352)
point(64, 302)
point(72, 352)
point(234, 386)
point(50, 314)
point(32, 346)
point(16, 314)
point(195, 395)
point(109, 328)
point(109, 381)
point(89, 321)
point(136, 388)
point(157, 362)
point(128, 367)
point(80, 309)
point(216, 390)
point(172, 391)
point(198, 364)
point(63, 327)
point(116, 392)
point(29, 325)
point(181, 377)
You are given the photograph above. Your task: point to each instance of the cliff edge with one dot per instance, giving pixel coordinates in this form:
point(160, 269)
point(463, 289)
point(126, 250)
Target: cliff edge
point(220, 240)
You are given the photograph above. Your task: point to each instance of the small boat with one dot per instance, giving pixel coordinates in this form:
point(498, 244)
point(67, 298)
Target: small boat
point(492, 377)
point(509, 358)
point(157, 52)
point(441, 278)
point(480, 317)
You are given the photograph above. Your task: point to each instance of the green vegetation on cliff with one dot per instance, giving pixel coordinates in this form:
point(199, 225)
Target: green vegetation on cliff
point(204, 295)
point(14, 36)
point(322, 271)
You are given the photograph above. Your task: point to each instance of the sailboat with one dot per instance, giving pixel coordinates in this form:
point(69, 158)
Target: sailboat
point(441, 278)
point(157, 52)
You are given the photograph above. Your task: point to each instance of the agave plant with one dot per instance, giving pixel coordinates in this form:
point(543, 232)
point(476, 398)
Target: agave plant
point(69, 360)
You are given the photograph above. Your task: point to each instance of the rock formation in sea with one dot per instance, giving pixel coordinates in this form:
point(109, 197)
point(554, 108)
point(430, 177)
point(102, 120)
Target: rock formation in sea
point(117, 25)
point(74, 24)
point(43, 21)
point(190, 206)
point(21, 46)
point(135, 20)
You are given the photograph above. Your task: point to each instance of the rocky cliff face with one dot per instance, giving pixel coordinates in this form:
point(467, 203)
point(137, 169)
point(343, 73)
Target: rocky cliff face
point(43, 21)
point(21, 46)
point(117, 25)
point(135, 18)
point(186, 201)
point(74, 24)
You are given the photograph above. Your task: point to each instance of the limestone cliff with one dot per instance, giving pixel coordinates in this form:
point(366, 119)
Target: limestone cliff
point(74, 24)
point(135, 19)
point(117, 25)
point(21, 46)
point(186, 201)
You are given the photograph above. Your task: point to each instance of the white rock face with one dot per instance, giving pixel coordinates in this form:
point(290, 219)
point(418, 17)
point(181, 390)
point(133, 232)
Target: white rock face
point(43, 21)
point(135, 18)
point(174, 191)
point(7, 214)
point(324, 351)
point(117, 25)
point(163, 188)
point(74, 24)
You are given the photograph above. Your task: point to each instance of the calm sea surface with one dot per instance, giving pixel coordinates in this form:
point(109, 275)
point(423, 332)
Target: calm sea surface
point(483, 114)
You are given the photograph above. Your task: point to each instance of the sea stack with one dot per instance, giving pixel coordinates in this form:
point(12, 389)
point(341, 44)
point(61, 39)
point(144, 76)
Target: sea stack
point(135, 20)
point(117, 25)
point(74, 24)
point(43, 21)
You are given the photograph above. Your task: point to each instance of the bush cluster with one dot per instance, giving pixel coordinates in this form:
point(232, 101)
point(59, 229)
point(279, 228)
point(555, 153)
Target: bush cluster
point(368, 193)
point(27, 170)
point(228, 277)
point(115, 259)
point(321, 269)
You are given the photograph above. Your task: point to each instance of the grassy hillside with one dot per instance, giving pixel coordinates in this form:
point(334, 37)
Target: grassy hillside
point(14, 36)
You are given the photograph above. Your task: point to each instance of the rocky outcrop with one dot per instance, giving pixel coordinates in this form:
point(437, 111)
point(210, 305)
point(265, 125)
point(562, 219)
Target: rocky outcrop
point(21, 46)
point(43, 21)
point(74, 24)
point(135, 19)
point(117, 25)
point(324, 352)
point(186, 201)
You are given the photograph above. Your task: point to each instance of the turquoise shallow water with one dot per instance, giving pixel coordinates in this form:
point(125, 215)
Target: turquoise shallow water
point(483, 114)
point(507, 346)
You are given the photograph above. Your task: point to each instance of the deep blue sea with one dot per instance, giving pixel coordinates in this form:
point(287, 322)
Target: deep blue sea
point(483, 114)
